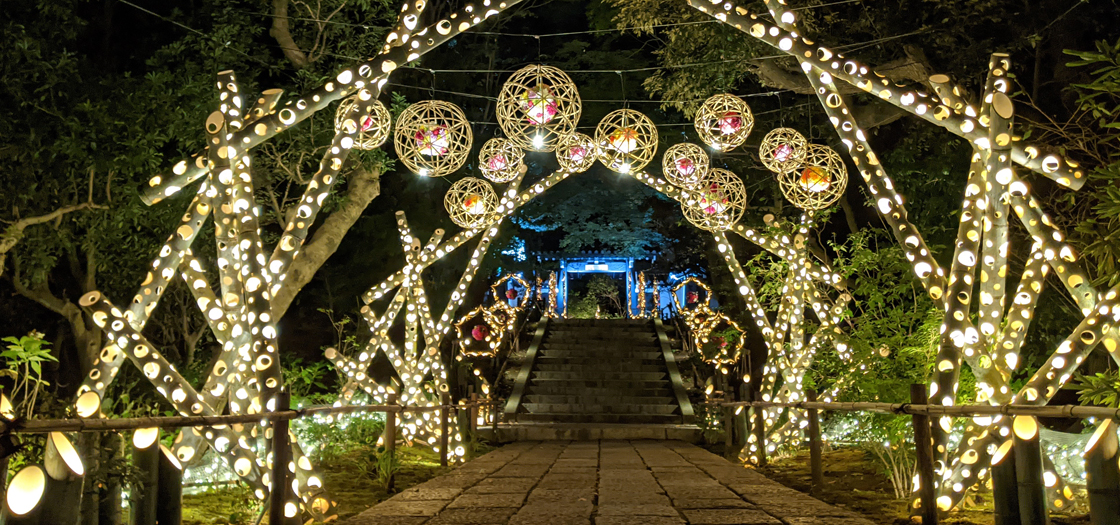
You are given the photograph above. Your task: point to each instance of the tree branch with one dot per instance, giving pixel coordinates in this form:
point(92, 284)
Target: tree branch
point(14, 233)
point(281, 32)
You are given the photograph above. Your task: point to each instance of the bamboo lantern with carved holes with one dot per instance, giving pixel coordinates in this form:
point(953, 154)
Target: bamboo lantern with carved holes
point(433, 138)
point(373, 128)
point(470, 202)
point(625, 140)
point(576, 152)
point(23, 498)
point(500, 160)
point(818, 183)
point(479, 333)
point(685, 164)
point(724, 122)
point(782, 150)
point(717, 202)
point(538, 106)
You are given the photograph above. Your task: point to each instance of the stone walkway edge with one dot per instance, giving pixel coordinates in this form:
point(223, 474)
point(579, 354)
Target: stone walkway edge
point(603, 483)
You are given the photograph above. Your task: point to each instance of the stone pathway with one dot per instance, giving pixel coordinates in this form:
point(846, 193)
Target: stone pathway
point(605, 483)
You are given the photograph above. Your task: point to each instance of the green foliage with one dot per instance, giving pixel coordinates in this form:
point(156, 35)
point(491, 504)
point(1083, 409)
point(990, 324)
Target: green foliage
point(303, 378)
point(24, 358)
point(602, 295)
point(1102, 388)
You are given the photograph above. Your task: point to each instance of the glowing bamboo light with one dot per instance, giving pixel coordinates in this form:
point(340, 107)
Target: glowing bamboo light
point(373, 124)
point(685, 164)
point(717, 202)
point(724, 121)
point(538, 106)
point(782, 150)
point(576, 152)
point(470, 202)
point(500, 160)
point(625, 140)
point(433, 138)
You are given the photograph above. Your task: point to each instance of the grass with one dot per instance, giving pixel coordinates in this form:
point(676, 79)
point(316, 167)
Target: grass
point(853, 480)
point(351, 479)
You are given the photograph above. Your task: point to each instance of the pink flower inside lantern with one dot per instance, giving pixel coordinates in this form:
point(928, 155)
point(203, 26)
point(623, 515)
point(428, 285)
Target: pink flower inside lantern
point(367, 123)
point(480, 332)
point(539, 104)
point(692, 297)
point(713, 200)
point(497, 163)
point(730, 123)
point(577, 154)
point(511, 294)
point(783, 152)
point(433, 140)
point(686, 167)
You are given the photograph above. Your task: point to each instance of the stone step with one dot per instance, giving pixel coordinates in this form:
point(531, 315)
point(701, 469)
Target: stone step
point(592, 375)
point(531, 431)
point(605, 335)
point(559, 388)
point(597, 351)
point(598, 400)
point(559, 358)
point(592, 368)
point(597, 343)
point(548, 408)
point(600, 322)
point(600, 418)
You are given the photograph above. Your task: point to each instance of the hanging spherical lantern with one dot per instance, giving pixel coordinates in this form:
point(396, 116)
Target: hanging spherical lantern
point(724, 121)
point(576, 152)
point(373, 129)
point(538, 106)
point(782, 150)
point(500, 160)
point(716, 202)
point(625, 140)
point(433, 138)
point(685, 164)
point(819, 182)
point(470, 202)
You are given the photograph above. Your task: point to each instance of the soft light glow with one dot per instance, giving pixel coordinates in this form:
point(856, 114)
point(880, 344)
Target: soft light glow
point(25, 490)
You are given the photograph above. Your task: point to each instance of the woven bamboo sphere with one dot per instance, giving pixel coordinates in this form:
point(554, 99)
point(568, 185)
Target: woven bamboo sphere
point(433, 138)
point(782, 150)
point(724, 121)
point(470, 202)
point(538, 106)
point(819, 182)
point(716, 202)
point(373, 129)
point(685, 164)
point(576, 152)
point(625, 140)
point(500, 160)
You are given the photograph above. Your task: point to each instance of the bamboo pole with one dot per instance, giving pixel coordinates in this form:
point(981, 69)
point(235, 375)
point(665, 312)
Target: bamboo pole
point(760, 434)
point(170, 489)
point(23, 500)
point(1005, 489)
point(390, 437)
point(281, 456)
point(444, 424)
point(1103, 481)
point(145, 462)
point(65, 473)
point(923, 446)
point(1028, 471)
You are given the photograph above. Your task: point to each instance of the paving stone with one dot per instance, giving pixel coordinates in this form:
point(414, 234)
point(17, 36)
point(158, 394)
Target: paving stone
point(452, 481)
point(631, 498)
point(729, 517)
point(547, 511)
point(363, 519)
point(421, 493)
point(828, 520)
point(521, 471)
point(805, 507)
point(408, 508)
point(487, 500)
point(701, 492)
point(503, 486)
point(728, 503)
point(638, 510)
point(637, 520)
point(561, 496)
point(475, 516)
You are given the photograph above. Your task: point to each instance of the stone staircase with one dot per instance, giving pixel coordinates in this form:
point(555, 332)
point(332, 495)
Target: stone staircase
point(600, 371)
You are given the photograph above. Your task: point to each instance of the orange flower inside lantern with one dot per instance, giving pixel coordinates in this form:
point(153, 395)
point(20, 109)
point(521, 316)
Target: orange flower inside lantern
point(474, 204)
point(624, 140)
point(713, 200)
point(814, 179)
point(539, 104)
point(432, 140)
point(730, 123)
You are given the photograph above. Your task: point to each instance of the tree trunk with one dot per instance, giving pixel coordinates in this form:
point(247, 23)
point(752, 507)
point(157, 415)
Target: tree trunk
point(364, 187)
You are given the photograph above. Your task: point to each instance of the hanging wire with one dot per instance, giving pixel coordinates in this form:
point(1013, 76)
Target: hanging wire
point(195, 31)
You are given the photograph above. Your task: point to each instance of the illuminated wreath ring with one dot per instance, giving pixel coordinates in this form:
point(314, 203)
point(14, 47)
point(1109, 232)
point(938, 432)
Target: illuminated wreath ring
point(818, 183)
point(782, 150)
point(724, 121)
point(523, 300)
point(685, 164)
point(538, 106)
point(373, 128)
point(625, 140)
point(500, 160)
point(433, 138)
point(470, 202)
point(483, 337)
point(716, 202)
point(695, 316)
point(715, 352)
point(576, 152)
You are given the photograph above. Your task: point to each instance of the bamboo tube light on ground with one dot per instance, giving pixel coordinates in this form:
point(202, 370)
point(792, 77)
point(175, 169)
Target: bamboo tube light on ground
point(65, 476)
point(23, 500)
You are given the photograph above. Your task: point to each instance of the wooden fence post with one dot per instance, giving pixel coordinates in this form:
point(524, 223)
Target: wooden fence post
point(815, 446)
point(390, 438)
point(473, 415)
point(923, 447)
point(760, 432)
point(444, 415)
point(1103, 475)
point(281, 456)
